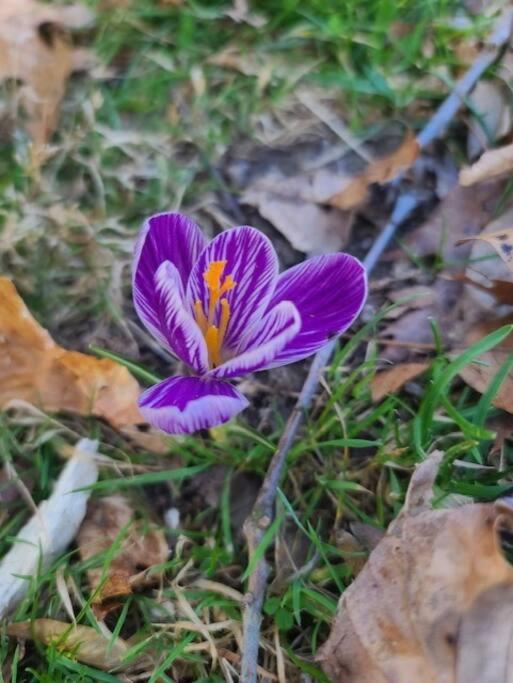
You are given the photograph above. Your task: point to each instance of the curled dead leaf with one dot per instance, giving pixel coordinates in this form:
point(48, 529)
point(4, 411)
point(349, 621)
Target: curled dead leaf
point(82, 642)
point(35, 369)
point(35, 50)
point(501, 241)
point(381, 169)
point(411, 614)
point(493, 163)
point(139, 550)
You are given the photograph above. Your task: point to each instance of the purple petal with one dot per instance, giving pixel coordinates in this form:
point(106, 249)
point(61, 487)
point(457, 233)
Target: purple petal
point(163, 237)
point(263, 342)
point(180, 330)
point(251, 260)
point(329, 292)
point(182, 405)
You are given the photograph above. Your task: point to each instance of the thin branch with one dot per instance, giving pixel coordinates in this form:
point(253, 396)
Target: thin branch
point(262, 513)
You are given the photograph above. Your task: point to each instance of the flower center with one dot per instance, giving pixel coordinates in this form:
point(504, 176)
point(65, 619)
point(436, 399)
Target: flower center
point(217, 284)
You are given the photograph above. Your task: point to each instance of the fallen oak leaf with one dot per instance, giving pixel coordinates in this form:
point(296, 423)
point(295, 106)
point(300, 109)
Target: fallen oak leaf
point(407, 615)
point(82, 643)
point(138, 550)
point(35, 50)
point(391, 380)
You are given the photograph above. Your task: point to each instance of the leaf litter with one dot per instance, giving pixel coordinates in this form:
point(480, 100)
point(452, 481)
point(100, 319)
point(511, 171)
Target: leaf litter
point(35, 49)
point(110, 522)
point(463, 213)
point(83, 643)
point(431, 591)
point(33, 368)
point(309, 188)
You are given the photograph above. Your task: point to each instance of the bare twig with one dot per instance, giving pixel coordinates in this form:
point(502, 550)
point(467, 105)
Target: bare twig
point(262, 513)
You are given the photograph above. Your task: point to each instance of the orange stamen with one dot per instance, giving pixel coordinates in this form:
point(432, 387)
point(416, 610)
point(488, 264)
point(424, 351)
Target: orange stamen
point(217, 285)
point(225, 317)
point(213, 274)
point(227, 285)
point(200, 316)
point(212, 340)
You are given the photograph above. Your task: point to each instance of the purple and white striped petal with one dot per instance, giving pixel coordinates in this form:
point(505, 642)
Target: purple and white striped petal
point(183, 336)
point(329, 292)
point(263, 342)
point(164, 237)
point(251, 260)
point(183, 405)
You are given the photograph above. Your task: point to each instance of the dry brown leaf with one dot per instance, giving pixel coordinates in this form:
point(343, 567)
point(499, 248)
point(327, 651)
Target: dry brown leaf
point(500, 290)
point(409, 299)
point(35, 369)
point(491, 164)
point(419, 296)
point(485, 327)
point(389, 381)
point(35, 50)
point(501, 241)
point(484, 268)
point(309, 189)
point(411, 332)
point(485, 654)
point(412, 614)
point(138, 550)
point(479, 375)
point(502, 426)
point(491, 117)
point(309, 228)
point(82, 642)
point(292, 550)
point(352, 551)
point(463, 213)
point(380, 170)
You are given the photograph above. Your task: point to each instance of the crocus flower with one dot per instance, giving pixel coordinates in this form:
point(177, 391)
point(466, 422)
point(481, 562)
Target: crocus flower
point(222, 308)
